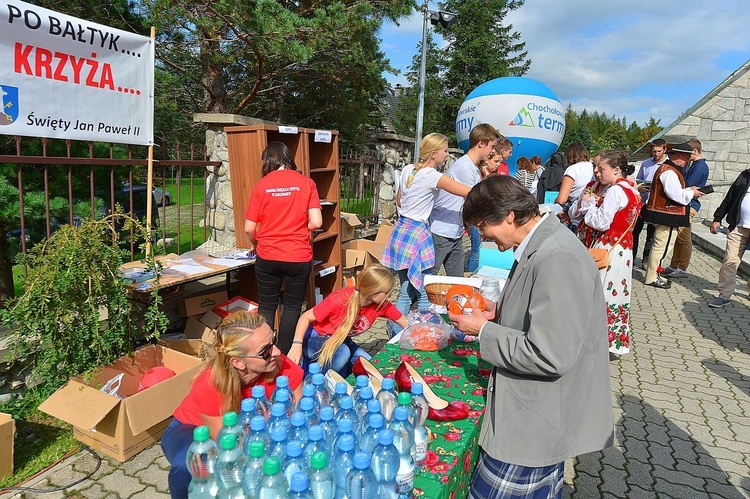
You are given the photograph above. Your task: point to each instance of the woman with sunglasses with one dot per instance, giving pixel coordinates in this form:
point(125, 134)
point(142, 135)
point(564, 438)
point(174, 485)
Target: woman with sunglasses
point(246, 356)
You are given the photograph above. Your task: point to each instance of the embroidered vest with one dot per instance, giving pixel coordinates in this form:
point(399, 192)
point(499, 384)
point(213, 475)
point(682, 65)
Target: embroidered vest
point(621, 221)
point(659, 208)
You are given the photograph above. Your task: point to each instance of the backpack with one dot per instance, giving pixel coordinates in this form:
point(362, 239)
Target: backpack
point(551, 177)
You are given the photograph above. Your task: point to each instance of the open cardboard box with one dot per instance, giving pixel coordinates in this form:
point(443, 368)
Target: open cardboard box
point(7, 432)
point(122, 427)
point(349, 222)
point(361, 253)
point(196, 305)
point(235, 305)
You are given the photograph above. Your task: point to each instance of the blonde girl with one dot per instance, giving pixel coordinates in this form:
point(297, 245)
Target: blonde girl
point(324, 333)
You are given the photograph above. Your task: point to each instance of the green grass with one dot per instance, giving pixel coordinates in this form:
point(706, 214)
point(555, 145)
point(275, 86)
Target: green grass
point(199, 191)
point(358, 206)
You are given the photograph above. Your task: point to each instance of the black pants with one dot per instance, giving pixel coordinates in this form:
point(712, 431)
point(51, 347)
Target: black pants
point(650, 228)
point(295, 276)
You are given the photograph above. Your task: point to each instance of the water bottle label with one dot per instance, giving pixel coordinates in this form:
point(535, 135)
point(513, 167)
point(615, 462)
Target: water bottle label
point(405, 482)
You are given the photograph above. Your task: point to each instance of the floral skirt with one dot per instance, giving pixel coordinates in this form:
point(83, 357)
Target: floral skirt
point(616, 280)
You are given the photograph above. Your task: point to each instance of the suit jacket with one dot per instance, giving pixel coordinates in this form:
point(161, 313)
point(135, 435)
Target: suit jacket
point(549, 396)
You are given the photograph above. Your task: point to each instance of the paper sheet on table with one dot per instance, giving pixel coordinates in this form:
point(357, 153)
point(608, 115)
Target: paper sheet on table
point(190, 269)
point(227, 262)
point(470, 281)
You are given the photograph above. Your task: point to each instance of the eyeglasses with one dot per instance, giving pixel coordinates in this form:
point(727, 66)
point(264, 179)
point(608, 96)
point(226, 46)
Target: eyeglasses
point(480, 227)
point(266, 353)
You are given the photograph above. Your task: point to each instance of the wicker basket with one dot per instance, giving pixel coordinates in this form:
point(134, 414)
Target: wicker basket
point(436, 292)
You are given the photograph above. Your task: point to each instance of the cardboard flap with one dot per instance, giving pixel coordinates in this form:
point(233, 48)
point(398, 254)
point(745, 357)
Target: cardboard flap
point(384, 232)
point(350, 218)
point(79, 405)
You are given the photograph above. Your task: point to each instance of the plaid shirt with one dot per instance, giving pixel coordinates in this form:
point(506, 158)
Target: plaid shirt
point(411, 248)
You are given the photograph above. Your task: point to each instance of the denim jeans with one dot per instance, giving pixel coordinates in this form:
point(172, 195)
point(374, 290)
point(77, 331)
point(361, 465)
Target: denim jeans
point(406, 297)
point(450, 253)
point(476, 241)
point(174, 443)
point(343, 358)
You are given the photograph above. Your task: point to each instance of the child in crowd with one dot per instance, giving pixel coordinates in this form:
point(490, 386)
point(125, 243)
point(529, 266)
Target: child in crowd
point(326, 330)
point(505, 149)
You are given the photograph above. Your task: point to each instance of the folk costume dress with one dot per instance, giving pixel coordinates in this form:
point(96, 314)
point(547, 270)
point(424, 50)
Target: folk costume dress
point(603, 225)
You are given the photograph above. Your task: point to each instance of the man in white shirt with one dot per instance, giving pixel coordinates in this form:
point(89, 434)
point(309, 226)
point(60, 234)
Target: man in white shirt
point(643, 180)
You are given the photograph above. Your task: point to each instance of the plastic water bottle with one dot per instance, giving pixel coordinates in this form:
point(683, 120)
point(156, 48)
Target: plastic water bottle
point(343, 461)
point(278, 444)
point(342, 390)
point(257, 433)
point(322, 395)
point(299, 487)
point(360, 406)
point(278, 418)
point(321, 478)
point(262, 404)
point(388, 398)
point(421, 409)
point(307, 407)
point(370, 436)
point(309, 391)
point(330, 428)
point(295, 461)
point(284, 397)
point(298, 429)
point(247, 412)
point(312, 370)
point(403, 439)
point(360, 482)
point(256, 454)
point(384, 464)
point(230, 465)
point(362, 381)
point(272, 484)
point(315, 443)
point(345, 428)
point(282, 385)
point(404, 399)
point(346, 411)
point(200, 460)
point(373, 407)
point(231, 427)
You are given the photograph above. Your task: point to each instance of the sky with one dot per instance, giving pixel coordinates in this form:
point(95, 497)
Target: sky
point(632, 58)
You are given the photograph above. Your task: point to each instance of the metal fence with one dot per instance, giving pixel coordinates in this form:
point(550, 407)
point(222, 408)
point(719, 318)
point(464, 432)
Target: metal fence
point(360, 184)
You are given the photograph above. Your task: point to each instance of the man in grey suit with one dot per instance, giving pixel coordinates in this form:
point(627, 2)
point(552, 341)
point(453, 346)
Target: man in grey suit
point(549, 395)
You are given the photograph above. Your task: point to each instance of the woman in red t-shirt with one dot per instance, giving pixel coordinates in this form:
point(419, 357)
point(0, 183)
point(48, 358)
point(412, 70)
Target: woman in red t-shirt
point(284, 208)
point(246, 355)
point(324, 333)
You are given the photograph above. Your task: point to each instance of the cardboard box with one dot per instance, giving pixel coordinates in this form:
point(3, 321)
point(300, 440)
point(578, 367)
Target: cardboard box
point(194, 348)
point(234, 305)
point(349, 222)
point(122, 427)
point(7, 433)
point(361, 253)
point(201, 304)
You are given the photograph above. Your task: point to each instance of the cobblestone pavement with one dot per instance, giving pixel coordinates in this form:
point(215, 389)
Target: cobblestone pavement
point(681, 400)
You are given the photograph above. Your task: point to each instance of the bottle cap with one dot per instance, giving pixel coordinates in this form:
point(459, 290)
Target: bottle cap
point(278, 434)
point(315, 432)
point(313, 368)
point(278, 410)
point(247, 405)
point(362, 381)
point(228, 441)
point(318, 379)
point(282, 396)
point(404, 398)
point(374, 406)
point(298, 419)
point(230, 418)
point(271, 465)
point(294, 448)
point(376, 420)
point(385, 437)
point(282, 381)
point(387, 384)
point(326, 413)
point(259, 392)
point(401, 413)
point(361, 460)
point(346, 402)
point(258, 423)
point(299, 483)
point(365, 393)
point(256, 449)
point(417, 389)
point(341, 388)
point(307, 403)
point(319, 461)
point(345, 425)
point(346, 443)
point(201, 433)
point(308, 390)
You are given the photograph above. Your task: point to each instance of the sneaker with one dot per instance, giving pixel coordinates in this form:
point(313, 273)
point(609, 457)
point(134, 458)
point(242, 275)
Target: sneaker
point(668, 271)
point(660, 283)
point(676, 274)
point(718, 302)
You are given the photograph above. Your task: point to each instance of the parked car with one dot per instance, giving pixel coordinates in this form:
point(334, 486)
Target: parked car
point(160, 195)
point(139, 208)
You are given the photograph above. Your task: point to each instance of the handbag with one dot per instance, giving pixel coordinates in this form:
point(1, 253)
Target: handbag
point(601, 255)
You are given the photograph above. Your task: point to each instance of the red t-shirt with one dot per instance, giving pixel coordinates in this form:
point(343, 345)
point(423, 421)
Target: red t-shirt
point(332, 311)
point(502, 168)
point(203, 398)
point(279, 204)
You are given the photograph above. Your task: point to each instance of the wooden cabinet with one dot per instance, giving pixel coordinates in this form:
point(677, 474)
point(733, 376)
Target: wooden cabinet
point(317, 156)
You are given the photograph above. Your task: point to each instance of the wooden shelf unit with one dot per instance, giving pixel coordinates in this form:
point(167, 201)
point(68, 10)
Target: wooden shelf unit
point(317, 160)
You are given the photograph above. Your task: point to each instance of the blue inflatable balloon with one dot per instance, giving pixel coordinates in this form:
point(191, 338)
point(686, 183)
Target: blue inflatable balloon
point(525, 111)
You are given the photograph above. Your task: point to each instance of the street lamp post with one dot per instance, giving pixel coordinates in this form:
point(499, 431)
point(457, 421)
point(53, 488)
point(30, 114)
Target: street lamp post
point(446, 20)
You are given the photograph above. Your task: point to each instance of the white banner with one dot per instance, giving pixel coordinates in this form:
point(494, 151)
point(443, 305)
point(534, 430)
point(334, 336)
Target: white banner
point(67, 78)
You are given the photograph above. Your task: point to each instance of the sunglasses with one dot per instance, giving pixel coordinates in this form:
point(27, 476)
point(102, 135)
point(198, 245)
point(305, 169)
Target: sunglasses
point(266, 353)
